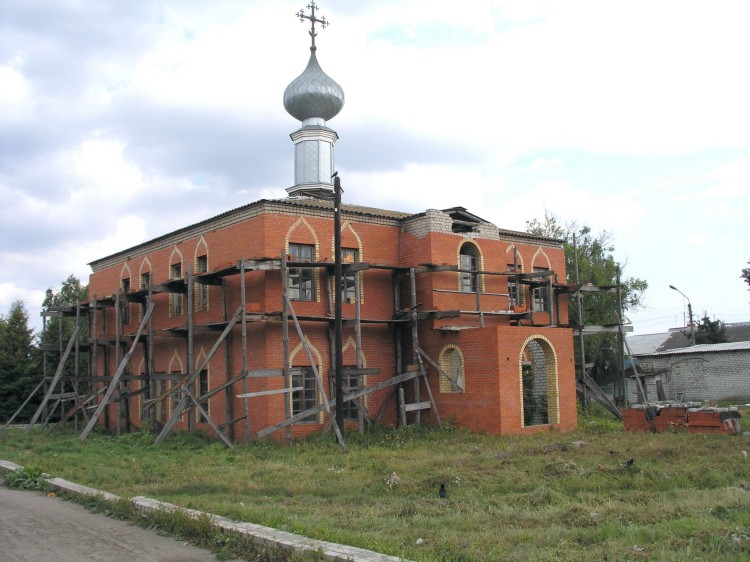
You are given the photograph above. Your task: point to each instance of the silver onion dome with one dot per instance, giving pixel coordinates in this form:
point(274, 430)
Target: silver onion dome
point(313, 94)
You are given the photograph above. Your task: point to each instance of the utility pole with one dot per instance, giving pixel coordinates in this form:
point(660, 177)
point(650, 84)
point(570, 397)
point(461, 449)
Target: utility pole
point(337, 339)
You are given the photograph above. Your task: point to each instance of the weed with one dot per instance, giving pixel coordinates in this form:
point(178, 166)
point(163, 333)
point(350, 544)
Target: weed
point(27, 479)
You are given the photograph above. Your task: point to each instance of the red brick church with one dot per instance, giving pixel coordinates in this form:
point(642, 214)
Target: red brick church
point(228, 326)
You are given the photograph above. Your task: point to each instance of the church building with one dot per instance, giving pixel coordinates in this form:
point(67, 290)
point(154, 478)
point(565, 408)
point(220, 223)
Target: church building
point(235, 326)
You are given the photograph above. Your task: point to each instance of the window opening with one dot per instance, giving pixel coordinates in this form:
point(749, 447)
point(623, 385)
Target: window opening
point(174, 400)
point(468, 265)
point(201, 388)
point(350, 255)
point(541, 296)
point(307, 397)
point(451, 363)
point(513, 293)
point(301, 280)
point(352, 383)
point(175, 299)
point(145, 284)
point(535, 385)
point(125, 308)
point(201, 290)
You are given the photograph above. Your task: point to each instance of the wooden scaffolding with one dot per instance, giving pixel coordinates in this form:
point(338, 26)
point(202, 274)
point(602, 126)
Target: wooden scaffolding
point(94, 393)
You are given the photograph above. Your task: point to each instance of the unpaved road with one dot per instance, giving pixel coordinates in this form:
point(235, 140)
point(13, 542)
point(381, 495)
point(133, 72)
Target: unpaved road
point(35, 528)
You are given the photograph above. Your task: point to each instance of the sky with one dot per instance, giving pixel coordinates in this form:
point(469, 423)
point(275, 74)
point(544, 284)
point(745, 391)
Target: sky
point(123, 121)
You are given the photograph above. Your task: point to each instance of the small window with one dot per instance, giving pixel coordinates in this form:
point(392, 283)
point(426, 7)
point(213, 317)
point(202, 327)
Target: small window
point(201, 290)
point(352, 383)
point(452, 364)
point(145, 284)
point(468, 263)
point(201, 388)
point(513, 294)
point(143, 386)
point(174, 400)
point(541, 295)
point(301, 279)
point(175, 299)
point(350, 255)
point(125, 305)
point(307, 397)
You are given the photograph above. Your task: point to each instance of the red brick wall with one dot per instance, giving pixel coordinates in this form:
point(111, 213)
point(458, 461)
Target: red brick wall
point(491, 402)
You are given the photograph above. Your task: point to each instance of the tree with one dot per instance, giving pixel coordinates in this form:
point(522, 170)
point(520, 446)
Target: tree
point(59, 328)
point(710, 331)
point(19, 363)
point(745, 275)
point(594, 254)
point(70, 293)
point(596, 265)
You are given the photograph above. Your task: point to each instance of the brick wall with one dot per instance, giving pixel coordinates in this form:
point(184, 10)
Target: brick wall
point(719, 375)
point(492, 400)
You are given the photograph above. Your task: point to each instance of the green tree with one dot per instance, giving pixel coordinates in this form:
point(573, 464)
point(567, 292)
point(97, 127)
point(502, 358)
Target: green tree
point(710, 331)
point(60, 326)
point(19, 364)
point(59, 310)
point(745, 275)
point(594, 254)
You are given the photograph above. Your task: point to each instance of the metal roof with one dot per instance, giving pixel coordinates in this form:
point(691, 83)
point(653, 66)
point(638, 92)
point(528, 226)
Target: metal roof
point(707, 348)
point(346, 208)
point(262, 205)
point(645, 344)
point(677, 339)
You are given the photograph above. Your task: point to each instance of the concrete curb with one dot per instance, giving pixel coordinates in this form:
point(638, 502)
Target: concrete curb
point(257, 533)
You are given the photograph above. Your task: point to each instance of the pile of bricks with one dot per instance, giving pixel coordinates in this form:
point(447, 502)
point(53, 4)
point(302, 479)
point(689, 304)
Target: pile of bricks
point(661, 417)
point(714, 420)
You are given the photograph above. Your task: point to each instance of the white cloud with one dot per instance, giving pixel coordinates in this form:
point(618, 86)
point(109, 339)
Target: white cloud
point(418, 187)
point(103, 172)
point(617, 115)
point(15, 90)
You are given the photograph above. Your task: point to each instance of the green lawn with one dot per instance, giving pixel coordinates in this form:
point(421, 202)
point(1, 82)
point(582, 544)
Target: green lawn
point(595, 494)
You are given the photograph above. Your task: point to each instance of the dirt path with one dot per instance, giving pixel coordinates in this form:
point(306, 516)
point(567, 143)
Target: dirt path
point(35, 527)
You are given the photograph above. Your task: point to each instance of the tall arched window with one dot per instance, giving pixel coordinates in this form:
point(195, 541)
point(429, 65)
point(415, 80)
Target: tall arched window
point(469, 264)
point(175, 272)
point(539, 385)
point(451, 362)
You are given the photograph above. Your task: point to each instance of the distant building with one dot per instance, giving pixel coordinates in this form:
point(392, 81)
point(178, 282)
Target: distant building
point(672, 369)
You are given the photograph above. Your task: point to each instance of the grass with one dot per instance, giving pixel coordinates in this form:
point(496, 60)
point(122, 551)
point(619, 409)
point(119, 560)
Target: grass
point(594, 494)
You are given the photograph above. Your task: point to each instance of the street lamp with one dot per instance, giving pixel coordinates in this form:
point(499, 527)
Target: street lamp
point(690, 314)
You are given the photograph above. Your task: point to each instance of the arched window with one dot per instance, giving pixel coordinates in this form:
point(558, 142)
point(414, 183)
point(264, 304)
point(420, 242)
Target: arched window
point(143, 386)
point(469, 264)
point(539, 386)
point(175, 272)
point(200, 290)
point(201, 387)
point(124, 304)
point(451, 362)
point(303, 378)
point(301, 279)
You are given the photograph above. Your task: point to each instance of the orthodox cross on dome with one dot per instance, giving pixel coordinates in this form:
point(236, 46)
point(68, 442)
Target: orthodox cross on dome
point(313, 20)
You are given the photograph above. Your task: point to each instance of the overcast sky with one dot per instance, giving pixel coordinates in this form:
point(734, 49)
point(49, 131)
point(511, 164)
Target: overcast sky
point(121, 121)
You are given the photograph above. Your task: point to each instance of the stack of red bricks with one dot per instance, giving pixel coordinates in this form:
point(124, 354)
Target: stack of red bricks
point(635, 419)
point(714, 420)
point(675, 416)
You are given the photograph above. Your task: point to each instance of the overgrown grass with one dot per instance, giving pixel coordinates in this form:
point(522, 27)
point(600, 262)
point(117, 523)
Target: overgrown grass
point(594, 494)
